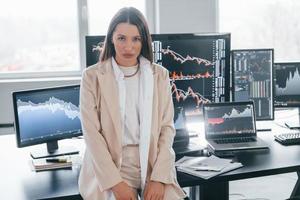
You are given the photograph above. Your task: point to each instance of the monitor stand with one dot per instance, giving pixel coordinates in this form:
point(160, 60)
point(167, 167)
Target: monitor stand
point(53, 150)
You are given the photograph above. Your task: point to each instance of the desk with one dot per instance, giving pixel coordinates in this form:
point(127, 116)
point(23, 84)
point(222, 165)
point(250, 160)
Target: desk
point(20, 183)
point(277, 160)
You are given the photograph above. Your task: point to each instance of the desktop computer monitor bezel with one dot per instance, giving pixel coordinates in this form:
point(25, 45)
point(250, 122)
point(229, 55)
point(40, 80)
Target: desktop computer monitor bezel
point(271, 80)
point(284, 103)
point(189, 56)
point(91, 52)
point(16, 117)
point(204, 36)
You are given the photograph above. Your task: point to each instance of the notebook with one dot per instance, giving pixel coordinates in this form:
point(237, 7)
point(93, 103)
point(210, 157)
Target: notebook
point(230, 127)
point(182, 144)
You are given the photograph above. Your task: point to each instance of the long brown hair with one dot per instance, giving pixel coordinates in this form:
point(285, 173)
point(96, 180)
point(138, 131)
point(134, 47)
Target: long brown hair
point(132, 16)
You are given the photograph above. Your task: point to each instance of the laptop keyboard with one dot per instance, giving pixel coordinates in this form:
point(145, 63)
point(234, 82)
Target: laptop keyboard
point(235, 140)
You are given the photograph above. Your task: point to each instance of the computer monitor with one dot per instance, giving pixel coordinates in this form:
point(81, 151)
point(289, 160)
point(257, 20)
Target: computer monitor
point(93, 45)
point(287, 82)
point(181, 138)
point(252, 75)
point(199, 66)
point(46, 116)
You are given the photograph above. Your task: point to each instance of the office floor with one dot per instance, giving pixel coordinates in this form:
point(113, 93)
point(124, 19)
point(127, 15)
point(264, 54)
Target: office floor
point(277, 187)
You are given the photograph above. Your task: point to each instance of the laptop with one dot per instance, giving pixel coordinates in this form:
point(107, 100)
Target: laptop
point(230, 127)
point(182, 144)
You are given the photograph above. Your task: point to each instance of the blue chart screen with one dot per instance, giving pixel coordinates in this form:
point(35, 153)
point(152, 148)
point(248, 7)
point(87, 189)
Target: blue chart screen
point(46, 114)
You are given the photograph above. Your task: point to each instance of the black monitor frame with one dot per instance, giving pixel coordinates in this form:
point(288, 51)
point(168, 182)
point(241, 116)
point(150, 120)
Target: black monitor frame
point(52, 143)
point(93, 57)
point(272, 78)
point(230, 104)
point(90, 43)
point(204, 36)
point(285, 103)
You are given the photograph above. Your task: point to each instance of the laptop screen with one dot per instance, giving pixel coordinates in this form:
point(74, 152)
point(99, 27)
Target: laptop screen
point(179, 118)
point(229, 119)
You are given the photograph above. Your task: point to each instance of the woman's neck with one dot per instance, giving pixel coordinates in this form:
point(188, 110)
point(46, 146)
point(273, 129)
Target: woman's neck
point(126, 64)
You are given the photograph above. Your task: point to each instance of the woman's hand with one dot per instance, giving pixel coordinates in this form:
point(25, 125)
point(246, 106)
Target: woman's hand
point(154, 191)
point(122, 191)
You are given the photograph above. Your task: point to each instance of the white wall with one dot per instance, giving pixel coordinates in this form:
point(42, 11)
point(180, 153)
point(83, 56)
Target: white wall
point(189, 16)
point(164, 16)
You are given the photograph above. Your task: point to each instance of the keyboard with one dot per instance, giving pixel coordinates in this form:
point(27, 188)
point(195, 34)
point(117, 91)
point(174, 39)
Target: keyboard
point(234, 140)
point(288, 138)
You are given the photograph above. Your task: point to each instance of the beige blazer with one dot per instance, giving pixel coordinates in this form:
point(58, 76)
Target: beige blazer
point(101, 125)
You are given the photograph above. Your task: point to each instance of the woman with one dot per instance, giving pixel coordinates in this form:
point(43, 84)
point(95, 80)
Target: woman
point(127, 118)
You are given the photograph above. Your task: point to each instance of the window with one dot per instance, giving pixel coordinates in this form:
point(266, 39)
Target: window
point(263, 24)
point(100, 13)
point(39, 36)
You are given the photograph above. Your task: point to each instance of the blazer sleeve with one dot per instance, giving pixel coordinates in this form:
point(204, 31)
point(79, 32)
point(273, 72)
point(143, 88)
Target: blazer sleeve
point(163, 169)
point(105, 170)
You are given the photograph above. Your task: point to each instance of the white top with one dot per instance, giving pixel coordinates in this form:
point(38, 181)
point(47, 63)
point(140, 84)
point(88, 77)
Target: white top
point(146, 87)
point(132, 118)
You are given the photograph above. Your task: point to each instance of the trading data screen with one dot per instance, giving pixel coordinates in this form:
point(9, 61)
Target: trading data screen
point(47, 114)
point(287, 82)
point(229, 119)
point(198, 65)
point(253, 79)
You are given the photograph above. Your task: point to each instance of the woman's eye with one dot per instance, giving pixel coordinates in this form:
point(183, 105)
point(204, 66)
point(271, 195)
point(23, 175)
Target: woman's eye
point(137, 39)
point(121, 38)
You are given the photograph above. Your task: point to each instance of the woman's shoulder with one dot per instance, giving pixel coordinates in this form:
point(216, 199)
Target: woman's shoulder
point(93, 69)
point(160, 70)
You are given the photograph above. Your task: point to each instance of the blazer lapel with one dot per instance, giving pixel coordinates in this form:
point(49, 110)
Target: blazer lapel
point(146, 102)
point(109, 90)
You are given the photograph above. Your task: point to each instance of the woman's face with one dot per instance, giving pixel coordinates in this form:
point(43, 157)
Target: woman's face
point(128, 44)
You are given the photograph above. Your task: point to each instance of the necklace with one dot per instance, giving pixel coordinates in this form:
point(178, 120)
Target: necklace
point(131, 75)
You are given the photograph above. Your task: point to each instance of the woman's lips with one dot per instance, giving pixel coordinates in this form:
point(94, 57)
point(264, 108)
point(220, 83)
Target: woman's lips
point(128, 55)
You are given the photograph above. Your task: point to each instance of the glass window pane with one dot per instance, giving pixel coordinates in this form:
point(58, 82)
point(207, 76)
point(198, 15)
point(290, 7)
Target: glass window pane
point(263, 24)
point(101, 12)
point(39, 36)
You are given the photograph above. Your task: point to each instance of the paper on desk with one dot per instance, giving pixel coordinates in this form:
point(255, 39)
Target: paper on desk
point(206, 167)
point(212, 163)
point(41, 164)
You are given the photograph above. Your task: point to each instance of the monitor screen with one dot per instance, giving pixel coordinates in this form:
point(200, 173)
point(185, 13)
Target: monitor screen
point(199, 66)
point(287, 82)
point(179, 118)
point(229, 119)
point(253, 79)
point(182, 135)
point(46, 115)
point(92, 49)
